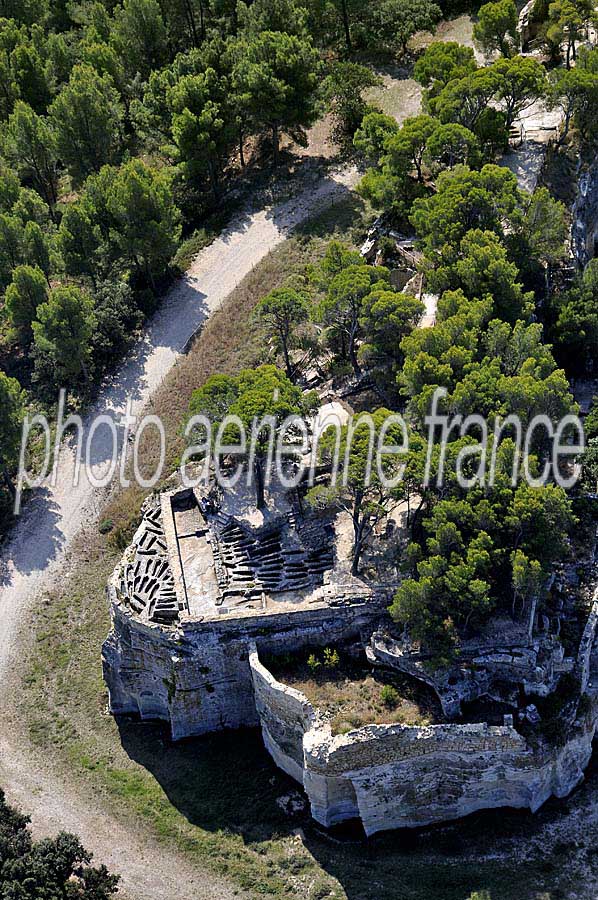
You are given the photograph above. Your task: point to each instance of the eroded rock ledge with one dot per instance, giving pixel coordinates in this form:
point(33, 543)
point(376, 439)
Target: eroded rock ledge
point(189, 640)
point(396, 776)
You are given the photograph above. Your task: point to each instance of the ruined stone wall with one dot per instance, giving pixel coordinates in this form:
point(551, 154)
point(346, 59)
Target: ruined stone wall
point(288, 723)
point(406, 777)
point(285, 717)
point(197, 676)
point(393, 776)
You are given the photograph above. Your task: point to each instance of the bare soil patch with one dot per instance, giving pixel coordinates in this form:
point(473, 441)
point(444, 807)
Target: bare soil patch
point(400, 95)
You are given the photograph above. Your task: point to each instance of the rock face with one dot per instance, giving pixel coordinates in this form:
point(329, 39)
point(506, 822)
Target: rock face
point(182, 626)
point(203, 679)
point(206, 676)
point(527, 27)
point(197, 666)
point(536, 667)
point(396, 776)
point(197, 677)
point(584, 229)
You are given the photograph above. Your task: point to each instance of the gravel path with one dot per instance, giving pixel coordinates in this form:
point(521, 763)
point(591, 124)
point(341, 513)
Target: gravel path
point(148, 871)
point(35, 551)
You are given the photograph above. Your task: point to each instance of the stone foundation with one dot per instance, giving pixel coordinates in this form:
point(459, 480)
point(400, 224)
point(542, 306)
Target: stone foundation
point(197, 667)
point(397, 776)
point(197, 677)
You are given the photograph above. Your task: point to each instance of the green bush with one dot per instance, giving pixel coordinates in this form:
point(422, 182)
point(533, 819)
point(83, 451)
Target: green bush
point(121, 537)
point(313, 662)
point(389, 696)
point(331, 658)
point(106, 526)
point(387, 246)
point(189, 249)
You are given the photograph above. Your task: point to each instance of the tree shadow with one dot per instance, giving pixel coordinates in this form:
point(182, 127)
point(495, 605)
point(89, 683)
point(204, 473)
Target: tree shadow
point(35, 539)
point(218, 781)
point(227, 781)
point(314, 211)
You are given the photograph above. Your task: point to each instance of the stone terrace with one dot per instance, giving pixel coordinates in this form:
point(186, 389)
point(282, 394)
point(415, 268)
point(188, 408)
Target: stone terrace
point(199, 557)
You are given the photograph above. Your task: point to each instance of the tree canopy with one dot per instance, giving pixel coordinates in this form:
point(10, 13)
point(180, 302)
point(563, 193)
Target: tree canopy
point(282, 311)
point(279, 73)
point(53, 867)
point(496, 28)
point(87, 116)
point(260, 400)
point(62, 334)
point(12, 412)
point(26, 292)
point(364, 490)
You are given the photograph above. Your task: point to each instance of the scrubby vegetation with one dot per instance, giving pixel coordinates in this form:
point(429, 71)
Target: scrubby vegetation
point(350, 694)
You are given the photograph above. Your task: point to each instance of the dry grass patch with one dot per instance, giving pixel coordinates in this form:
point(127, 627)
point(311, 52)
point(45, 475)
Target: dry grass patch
point(400, 95)
point(355, 702)
point(350, 693)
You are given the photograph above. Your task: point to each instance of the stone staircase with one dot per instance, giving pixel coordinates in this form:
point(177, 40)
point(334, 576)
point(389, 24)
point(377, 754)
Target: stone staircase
point(250, 563)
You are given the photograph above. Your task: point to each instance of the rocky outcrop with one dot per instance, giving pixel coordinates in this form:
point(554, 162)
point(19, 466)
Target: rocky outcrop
point(196, 681)
point(451, 687)
point(587, 652)
point(196, 676)
point(535, 667)
point(584, 228)
point(396, 776)
point(528, 25)
point(201, 672)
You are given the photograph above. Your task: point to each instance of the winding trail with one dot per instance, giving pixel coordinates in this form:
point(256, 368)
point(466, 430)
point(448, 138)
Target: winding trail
point(33, 555)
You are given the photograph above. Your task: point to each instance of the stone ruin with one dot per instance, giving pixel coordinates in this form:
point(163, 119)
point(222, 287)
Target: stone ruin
point(210, 588)
point(396, 776)
point(190, 557)
point(204, 576)
point(146, 578)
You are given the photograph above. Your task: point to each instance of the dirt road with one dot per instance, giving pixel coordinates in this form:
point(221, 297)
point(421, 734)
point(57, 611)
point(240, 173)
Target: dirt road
point(36, 548)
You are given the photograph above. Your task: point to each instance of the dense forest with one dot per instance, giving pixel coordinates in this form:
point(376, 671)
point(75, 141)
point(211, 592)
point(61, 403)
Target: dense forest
point(124, 126)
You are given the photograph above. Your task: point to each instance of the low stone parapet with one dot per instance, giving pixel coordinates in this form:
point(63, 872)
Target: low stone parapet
point(394, 776)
